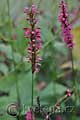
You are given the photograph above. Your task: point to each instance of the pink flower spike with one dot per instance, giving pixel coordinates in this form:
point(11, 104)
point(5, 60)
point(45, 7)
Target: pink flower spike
point(34, 34)
point(65, 24)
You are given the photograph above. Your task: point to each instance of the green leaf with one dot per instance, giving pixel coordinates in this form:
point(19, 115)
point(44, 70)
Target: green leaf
point(49, 89)
point(7, 50)
point(3, 68)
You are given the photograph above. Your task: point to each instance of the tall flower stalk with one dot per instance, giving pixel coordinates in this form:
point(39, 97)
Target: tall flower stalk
point(65, 24)
point(35, 43)
point(67, 35)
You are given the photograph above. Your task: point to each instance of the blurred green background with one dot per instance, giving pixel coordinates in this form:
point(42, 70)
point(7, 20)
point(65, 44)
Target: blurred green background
point(55, 72)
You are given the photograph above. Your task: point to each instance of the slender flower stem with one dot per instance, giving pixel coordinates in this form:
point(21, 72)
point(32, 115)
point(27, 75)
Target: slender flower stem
point(61, 100)
point(18, 96)
point(74, 82)
point(35, 43)
point(72, 66)
point(10, 27)
point(73, 77)
point(39, 3)
point(10, 33)
point(31, 1)
point(32, 96)
point(54, 82)
point(10, 24)
point(3, 11)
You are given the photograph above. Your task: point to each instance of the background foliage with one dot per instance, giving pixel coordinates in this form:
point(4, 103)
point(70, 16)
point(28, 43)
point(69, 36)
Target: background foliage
point(55, 74)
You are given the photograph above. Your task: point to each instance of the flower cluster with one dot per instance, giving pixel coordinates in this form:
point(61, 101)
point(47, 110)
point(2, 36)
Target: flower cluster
point(34, 33)
point(66, 27)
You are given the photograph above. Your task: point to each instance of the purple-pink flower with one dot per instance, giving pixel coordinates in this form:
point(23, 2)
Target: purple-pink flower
point(34, 33)
point(68, 93)
point(47, 116)
point(30, 115)
point(65, 24)
point(27, 33)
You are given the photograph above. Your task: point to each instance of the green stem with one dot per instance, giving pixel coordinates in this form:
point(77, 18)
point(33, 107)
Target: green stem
point(39, 3)
point(18, 99)
point(31, 2)
point(72, 68)
point(3, 12)
point(10, 28)
point(32, 96)
point(18, 96)
point(73, 78)
point(10, 33)
point(54, 82)
point(10, 23)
